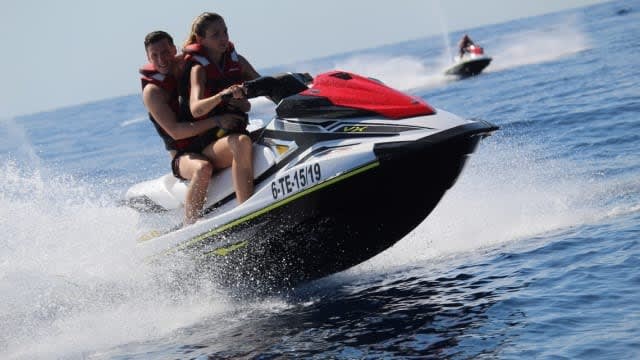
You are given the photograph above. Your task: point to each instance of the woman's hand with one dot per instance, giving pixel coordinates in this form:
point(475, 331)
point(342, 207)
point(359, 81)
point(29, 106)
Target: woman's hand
point(234, 91)
point(235, 98)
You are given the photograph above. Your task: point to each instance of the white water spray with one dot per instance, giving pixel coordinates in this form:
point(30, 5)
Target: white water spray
point(539, 45)
point(444, 27)
point(404, 73)
point(71, 279)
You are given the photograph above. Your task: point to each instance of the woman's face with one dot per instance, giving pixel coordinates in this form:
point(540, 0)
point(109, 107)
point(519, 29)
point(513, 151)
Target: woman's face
point(216, 37)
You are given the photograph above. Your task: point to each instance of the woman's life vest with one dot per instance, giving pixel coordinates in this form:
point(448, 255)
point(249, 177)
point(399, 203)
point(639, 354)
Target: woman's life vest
point(219, 76)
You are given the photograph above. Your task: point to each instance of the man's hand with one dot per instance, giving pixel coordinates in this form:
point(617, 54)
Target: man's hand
point(234, 91)
point(233, 122)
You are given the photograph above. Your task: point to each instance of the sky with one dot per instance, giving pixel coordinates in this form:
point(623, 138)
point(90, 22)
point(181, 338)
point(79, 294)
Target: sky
point(68, 52)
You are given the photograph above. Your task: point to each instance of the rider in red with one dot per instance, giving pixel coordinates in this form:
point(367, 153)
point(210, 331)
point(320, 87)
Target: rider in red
point(464, 43)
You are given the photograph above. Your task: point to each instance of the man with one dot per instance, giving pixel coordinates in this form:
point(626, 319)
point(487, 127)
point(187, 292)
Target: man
point(185, 140)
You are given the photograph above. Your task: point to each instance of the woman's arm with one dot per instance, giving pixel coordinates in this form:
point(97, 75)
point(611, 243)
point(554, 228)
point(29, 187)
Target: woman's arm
point(198, 104)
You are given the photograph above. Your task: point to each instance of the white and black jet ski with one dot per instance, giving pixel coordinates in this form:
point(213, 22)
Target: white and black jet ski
point(472, 62)
point(346, 168)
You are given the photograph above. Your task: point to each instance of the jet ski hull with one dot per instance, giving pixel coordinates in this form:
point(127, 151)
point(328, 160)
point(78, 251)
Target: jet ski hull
point(469, 67)
point(346, 168)
point(316, 233)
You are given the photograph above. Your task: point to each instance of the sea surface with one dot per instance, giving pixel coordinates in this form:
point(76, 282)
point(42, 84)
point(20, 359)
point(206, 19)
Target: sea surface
point(534, 253)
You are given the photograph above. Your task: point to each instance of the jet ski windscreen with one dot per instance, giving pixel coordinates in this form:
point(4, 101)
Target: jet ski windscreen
point(279, 86)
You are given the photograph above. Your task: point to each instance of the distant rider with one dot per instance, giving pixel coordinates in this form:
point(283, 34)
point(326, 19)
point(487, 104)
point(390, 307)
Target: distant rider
point(464, 43)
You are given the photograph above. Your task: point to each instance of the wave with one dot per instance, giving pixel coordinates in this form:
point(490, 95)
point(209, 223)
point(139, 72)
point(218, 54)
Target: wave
point(134, 120)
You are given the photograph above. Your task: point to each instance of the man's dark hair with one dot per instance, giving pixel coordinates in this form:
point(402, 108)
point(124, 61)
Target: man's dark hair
point(155, 36)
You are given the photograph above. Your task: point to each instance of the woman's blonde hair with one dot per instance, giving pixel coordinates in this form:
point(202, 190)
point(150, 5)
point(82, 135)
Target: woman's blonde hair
point(199, 26)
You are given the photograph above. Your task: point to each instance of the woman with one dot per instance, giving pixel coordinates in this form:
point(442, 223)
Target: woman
point(215, 87)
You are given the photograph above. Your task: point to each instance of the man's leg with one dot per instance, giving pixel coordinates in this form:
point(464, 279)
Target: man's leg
point(197, 169)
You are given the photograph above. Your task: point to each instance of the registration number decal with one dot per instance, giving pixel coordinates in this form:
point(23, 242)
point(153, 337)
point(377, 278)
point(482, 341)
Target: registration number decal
point(298, 180)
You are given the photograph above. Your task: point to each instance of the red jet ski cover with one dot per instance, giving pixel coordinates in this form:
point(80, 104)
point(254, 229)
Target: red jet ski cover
point(354, 91)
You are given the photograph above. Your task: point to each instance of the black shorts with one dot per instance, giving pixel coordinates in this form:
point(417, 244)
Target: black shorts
point(195, 147)
point(175, 168)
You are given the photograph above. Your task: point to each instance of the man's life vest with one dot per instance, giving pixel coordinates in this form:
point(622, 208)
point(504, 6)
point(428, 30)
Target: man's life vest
point(150, 75)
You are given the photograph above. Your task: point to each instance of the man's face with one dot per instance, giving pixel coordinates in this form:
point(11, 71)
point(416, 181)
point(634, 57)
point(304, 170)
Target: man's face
point(162, 55)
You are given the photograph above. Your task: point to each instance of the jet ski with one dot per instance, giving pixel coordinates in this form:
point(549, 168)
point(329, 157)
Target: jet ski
point(346, 168)
point(472, 62)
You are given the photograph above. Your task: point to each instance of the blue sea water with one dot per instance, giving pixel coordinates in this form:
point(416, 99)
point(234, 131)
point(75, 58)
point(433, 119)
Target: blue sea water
point(534, 253)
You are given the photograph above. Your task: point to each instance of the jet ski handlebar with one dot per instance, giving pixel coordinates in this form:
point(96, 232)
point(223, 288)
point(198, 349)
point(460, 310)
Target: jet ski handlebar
point(277, 87)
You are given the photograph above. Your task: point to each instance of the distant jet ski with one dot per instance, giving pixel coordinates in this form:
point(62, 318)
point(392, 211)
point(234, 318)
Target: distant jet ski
point(472, 62)
point(346, 168)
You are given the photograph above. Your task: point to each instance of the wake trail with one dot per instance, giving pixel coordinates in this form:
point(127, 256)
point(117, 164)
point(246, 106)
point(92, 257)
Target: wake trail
point(538, 46)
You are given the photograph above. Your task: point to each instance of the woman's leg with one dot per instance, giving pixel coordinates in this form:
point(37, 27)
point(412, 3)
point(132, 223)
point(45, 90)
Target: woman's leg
point(242, 168)
point(235, 150)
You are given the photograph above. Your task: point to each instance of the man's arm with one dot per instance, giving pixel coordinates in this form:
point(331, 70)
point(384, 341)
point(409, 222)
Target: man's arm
point(156, 101)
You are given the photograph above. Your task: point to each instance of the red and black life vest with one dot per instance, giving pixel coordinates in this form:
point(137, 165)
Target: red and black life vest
point(219, 76)
point(169, 83)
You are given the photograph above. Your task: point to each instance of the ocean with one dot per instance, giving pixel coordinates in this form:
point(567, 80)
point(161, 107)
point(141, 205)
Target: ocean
point(533, 253)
